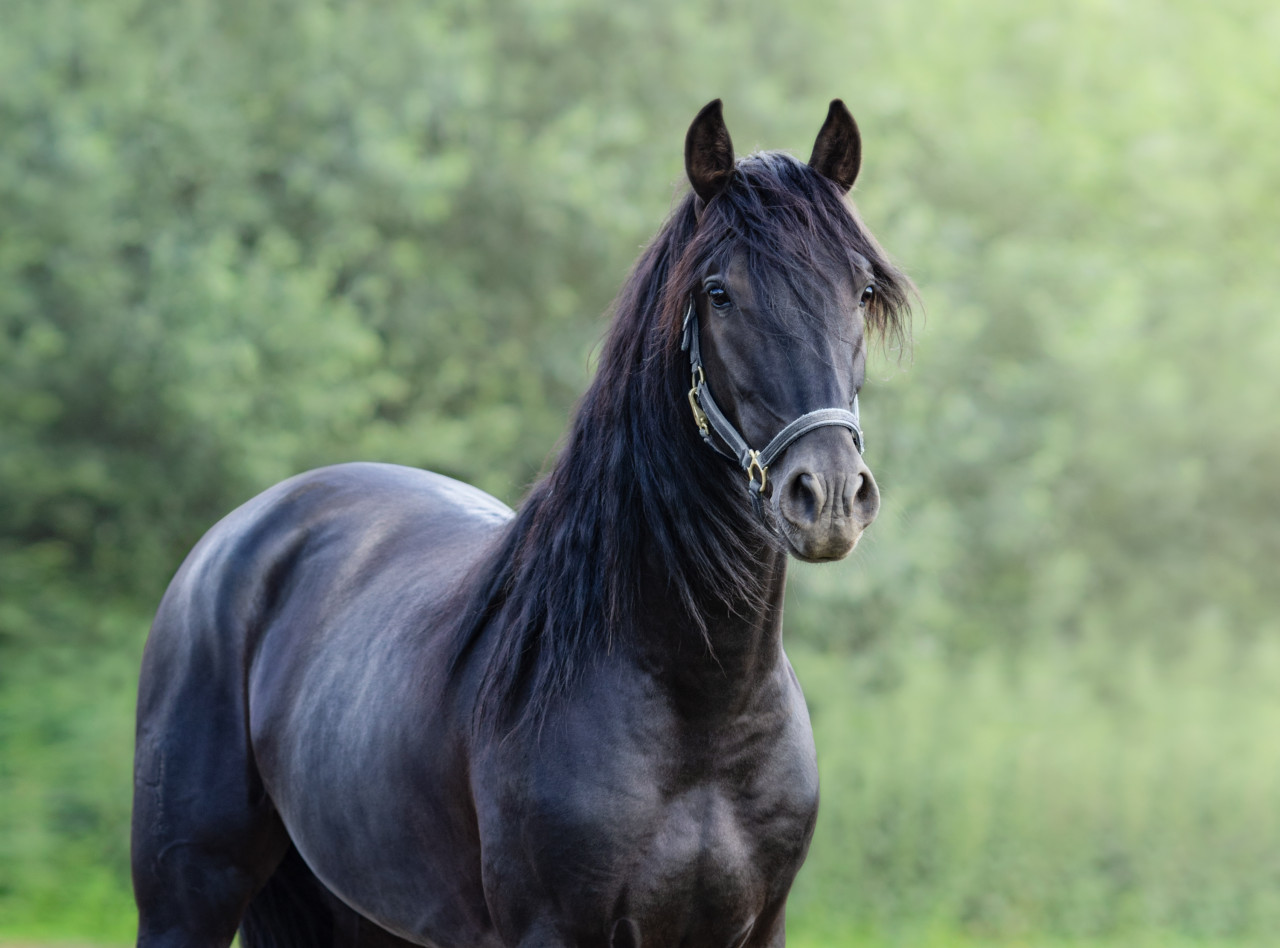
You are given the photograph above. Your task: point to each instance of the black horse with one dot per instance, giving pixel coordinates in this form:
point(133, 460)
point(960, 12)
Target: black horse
point(378, 707)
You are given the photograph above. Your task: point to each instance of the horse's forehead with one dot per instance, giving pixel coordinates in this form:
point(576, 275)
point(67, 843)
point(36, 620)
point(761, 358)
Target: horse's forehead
point(836, 276)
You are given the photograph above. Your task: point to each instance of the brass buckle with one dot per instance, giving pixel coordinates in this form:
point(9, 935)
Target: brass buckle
point(699, 415)
point(754, 466)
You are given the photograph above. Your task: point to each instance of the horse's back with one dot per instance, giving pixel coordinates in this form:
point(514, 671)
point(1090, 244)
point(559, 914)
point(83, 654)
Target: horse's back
point(348, 516)
point(321, 540)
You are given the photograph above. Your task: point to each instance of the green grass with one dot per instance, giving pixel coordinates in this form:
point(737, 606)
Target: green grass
point(804, 938)
point(1075, 793)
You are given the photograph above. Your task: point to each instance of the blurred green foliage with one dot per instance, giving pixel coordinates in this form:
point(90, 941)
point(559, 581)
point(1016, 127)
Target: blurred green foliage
point(239, 239)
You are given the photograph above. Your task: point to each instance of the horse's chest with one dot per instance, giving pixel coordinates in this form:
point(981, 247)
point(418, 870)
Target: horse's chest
point(713, 860)
point(693, 845)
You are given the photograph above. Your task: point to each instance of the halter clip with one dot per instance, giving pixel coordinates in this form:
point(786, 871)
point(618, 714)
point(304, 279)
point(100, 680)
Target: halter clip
point(699, 415)
point(754, 466)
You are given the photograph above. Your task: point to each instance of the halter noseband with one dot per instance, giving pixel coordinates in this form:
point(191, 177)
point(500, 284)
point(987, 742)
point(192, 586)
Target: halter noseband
point(709, 417)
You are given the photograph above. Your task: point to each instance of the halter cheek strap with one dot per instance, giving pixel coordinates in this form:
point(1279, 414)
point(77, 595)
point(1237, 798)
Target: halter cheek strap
point(709, 417)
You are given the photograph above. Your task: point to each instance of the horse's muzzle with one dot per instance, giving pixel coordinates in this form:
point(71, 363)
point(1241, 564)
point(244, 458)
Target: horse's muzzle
point(825, 497)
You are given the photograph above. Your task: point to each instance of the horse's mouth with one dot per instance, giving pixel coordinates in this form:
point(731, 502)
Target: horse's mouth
point(822, 546)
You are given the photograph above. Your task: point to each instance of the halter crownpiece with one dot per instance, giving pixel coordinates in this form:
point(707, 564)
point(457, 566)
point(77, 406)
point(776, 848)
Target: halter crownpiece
point(708, 417)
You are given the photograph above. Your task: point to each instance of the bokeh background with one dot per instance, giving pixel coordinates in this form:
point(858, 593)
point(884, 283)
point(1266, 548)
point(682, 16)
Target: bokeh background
point(241, 238)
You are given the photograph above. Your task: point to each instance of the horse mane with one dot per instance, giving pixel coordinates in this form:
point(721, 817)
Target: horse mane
point(633, 486)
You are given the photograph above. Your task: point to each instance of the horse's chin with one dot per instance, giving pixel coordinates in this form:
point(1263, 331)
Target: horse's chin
point(826, 547)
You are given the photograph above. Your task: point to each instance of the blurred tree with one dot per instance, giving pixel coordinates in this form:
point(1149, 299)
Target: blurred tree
point(1081, 447)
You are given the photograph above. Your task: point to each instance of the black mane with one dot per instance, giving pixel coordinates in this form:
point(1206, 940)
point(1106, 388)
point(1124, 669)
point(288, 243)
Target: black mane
point(634, 486)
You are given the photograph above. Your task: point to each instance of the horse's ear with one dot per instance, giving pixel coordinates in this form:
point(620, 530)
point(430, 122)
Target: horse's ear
point(837, 154)
point(708, 152)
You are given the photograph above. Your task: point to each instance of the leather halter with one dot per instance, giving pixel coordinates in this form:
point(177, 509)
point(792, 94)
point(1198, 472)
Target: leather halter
point(709, 417)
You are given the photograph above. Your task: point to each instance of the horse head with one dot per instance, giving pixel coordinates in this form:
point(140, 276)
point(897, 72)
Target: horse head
point(782, 283)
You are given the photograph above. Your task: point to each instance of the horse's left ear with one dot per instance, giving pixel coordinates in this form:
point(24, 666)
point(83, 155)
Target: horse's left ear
point(837, 154)
point(708, 152)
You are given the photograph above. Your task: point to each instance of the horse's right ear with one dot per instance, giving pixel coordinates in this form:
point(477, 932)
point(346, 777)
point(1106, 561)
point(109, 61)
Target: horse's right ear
point(708, 152)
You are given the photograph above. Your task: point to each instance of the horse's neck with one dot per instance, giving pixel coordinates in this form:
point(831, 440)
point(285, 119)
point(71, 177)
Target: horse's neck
point(740, 652)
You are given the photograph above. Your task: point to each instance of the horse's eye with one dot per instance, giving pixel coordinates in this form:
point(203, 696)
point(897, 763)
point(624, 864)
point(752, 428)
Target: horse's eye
point(719, 295)
point(867, 295)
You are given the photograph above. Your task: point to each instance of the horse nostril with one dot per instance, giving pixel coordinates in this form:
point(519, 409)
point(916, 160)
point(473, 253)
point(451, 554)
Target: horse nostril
point(866, 488)
point(803, 499)
point(866, 498)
